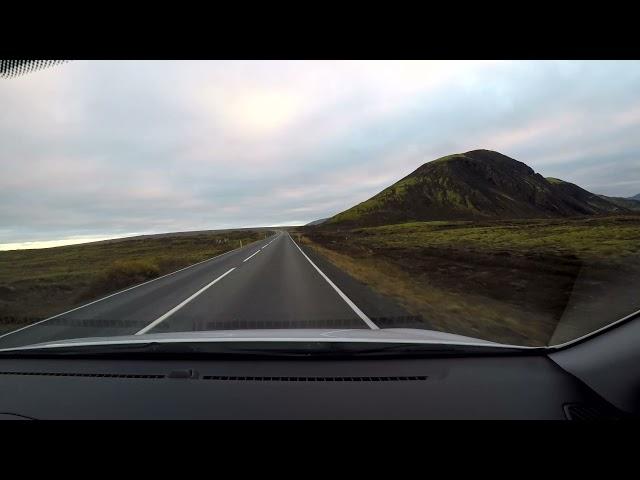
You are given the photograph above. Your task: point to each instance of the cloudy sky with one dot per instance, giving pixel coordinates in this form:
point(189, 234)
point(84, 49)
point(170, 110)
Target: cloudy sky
point(105, 149)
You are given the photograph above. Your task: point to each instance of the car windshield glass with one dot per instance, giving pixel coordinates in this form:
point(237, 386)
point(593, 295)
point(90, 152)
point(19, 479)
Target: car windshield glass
point(426, 202)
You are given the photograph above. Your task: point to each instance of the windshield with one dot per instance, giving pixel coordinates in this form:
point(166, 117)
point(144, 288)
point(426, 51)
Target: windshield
point(417, 202)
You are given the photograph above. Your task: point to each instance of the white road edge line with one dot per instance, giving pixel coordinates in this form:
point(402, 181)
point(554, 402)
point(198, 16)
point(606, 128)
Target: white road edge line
point(182, 304)
point(255, 253)
point(353, 306)
point(119, 292)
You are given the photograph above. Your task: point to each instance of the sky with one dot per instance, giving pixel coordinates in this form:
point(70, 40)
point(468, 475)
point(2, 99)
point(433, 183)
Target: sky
point(102, 149)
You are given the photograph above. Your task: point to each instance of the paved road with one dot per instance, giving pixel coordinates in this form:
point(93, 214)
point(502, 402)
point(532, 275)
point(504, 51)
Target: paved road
point(271, 283)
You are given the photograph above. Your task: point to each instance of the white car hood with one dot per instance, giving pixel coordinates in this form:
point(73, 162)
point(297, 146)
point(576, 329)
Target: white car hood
point(388, 335)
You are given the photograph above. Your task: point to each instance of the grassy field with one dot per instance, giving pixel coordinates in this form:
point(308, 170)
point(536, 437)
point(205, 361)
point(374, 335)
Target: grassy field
point(38, 283)
point(506, 281)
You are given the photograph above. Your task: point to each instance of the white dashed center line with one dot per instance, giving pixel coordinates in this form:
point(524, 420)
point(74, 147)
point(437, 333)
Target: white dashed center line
point(255, 253)
point(182, 304)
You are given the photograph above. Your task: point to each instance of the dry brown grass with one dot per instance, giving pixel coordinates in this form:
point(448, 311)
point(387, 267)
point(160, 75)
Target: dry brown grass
point(511, 281)
point(447, 311)
point(35, 284)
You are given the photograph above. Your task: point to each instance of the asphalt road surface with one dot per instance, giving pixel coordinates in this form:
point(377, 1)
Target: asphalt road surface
point(272, 283)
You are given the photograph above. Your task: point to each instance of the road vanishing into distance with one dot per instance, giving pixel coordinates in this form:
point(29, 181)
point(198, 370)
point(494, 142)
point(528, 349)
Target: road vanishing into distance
point(271, 283)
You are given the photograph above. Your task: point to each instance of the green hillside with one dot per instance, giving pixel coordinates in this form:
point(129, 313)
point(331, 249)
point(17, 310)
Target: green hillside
point(476, 185)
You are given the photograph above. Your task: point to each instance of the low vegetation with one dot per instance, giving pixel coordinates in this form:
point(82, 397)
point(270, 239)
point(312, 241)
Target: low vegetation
point(506, 281)
point(38, 283)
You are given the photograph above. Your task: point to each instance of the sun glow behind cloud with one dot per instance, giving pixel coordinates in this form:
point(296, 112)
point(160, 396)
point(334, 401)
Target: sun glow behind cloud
point(256, 112)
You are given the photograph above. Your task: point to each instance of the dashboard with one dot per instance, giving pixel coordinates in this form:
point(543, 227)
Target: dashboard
point(485, 387)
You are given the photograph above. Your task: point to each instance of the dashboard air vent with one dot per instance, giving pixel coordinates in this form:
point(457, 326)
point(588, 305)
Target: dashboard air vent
point(580, 411)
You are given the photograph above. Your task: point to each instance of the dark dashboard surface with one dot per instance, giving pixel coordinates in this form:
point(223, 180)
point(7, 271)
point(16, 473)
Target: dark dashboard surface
point(488, 387)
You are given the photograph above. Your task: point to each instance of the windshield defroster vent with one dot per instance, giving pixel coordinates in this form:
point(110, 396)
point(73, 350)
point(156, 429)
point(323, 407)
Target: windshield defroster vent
point(239, 378)
point(94, 375)
point(314, 379)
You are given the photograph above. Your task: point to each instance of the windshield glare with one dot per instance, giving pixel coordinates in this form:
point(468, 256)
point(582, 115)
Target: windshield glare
point(417, 202)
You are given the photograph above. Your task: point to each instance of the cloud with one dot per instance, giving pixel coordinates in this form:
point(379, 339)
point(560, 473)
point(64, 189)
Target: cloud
point(108, 148)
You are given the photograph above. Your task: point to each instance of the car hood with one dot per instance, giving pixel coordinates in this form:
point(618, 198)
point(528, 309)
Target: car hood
point(388, 335)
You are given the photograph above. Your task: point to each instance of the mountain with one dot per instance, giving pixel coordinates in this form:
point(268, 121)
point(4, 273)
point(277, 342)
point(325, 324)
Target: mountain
point(480, 184)
point(316, 222)
point(628, 203)
point(635, 197)
point(581, 198)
